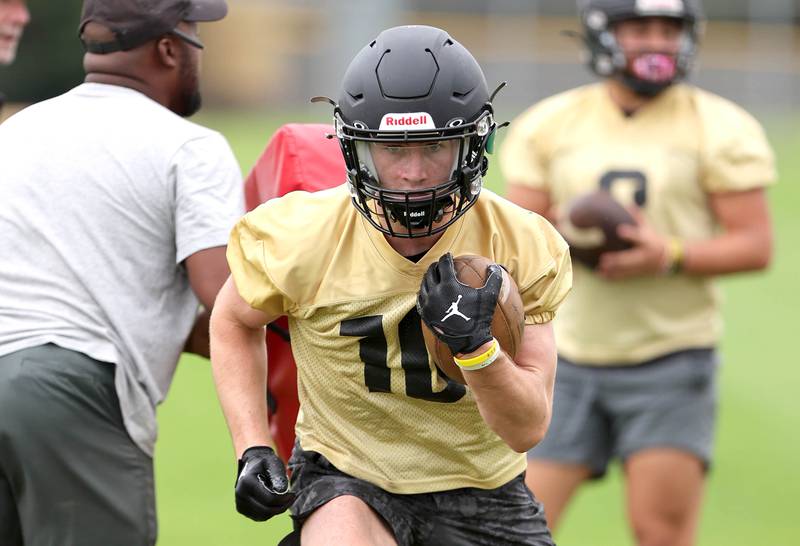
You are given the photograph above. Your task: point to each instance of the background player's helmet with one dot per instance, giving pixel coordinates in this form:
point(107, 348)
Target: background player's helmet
point(606, 57)
point(414, 84)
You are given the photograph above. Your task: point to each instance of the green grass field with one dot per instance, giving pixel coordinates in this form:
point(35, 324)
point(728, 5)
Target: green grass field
point(754, 485)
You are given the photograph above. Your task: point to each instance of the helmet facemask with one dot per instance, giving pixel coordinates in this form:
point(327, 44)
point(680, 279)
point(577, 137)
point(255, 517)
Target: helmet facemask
point(411, 213)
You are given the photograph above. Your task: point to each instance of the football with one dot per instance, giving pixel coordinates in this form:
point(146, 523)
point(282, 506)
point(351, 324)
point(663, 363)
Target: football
point(589, 225)
point(508, 321)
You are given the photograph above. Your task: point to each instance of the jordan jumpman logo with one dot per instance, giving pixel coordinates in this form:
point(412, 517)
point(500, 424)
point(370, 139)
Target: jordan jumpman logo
point(453, 310)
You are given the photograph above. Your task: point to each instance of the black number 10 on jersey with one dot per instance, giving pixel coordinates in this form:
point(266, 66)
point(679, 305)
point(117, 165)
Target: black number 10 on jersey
point(413, 358)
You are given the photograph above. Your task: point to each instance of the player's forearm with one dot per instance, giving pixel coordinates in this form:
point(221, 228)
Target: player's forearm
point(238, 362)
point(514, 401)
point(728, 253)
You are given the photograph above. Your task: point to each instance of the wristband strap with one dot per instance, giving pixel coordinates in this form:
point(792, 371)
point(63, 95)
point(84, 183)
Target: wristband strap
point(675, 254)
point(480, 361)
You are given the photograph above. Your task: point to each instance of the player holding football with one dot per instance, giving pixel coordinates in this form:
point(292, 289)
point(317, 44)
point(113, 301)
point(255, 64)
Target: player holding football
point(637, 365)
point(389, 450)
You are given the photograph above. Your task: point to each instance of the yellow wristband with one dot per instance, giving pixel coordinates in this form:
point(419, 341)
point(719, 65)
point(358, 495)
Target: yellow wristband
point(480, 361)
point(674, 256)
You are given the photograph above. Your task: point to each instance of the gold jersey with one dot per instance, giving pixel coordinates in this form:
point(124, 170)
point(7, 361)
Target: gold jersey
point(371, 401)
point(667, 158)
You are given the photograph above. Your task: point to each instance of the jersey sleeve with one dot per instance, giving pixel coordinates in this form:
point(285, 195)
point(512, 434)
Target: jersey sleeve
point(246, 259)
point(208, 194)
point(737, 154)
point(521, 158)
point(548, 283)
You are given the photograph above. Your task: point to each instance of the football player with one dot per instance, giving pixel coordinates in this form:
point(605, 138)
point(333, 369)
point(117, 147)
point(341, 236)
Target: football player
point(636, 341)
point(390, 451)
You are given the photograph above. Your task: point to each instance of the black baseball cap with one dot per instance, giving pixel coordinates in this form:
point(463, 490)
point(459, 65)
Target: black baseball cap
point(135, 22)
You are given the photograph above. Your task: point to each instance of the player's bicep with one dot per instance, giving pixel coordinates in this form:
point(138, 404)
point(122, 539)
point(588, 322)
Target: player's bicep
point(741, 210)
point(535, 199)
point(744, 217)
point(537, 353)
point(231, 308)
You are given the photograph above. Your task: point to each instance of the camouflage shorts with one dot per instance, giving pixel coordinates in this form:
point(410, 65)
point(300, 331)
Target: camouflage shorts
point(470, 516)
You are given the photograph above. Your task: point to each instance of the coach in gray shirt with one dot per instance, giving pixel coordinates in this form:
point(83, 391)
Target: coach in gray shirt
point(114, 213)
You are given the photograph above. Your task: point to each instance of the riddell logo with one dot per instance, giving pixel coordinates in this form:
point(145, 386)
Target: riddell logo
point(408, 121)
point(669, 6)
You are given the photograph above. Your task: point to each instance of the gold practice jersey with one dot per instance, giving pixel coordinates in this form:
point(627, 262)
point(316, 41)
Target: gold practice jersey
point(666, 158)
point(370, 400)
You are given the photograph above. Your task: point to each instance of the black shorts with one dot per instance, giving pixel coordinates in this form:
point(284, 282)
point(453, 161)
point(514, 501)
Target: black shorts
point(470, 516)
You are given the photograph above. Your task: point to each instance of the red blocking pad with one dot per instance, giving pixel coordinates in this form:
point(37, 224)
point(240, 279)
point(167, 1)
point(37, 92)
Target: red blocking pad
point(297, 157)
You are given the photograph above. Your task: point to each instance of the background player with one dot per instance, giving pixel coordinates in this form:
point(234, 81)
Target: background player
point(637, 365)
point(390, 451)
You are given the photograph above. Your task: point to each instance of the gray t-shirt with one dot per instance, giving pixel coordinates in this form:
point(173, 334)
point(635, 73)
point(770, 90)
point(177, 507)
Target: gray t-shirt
point(103, 194)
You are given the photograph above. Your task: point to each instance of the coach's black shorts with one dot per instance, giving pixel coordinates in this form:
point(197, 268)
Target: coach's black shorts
point(470, 516)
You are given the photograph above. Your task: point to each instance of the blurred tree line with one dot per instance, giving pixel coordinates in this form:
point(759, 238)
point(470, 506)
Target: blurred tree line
point(50, 56)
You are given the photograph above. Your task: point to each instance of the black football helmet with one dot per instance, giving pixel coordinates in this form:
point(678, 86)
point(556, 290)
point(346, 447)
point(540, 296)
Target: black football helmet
point(414, 84)
point(606, 57)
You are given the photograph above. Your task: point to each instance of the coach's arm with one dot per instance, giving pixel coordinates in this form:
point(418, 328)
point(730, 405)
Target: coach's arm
point(207, 270)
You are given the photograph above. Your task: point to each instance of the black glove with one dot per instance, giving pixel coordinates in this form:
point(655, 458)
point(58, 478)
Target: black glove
point(459, 315)
point(262, 486)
